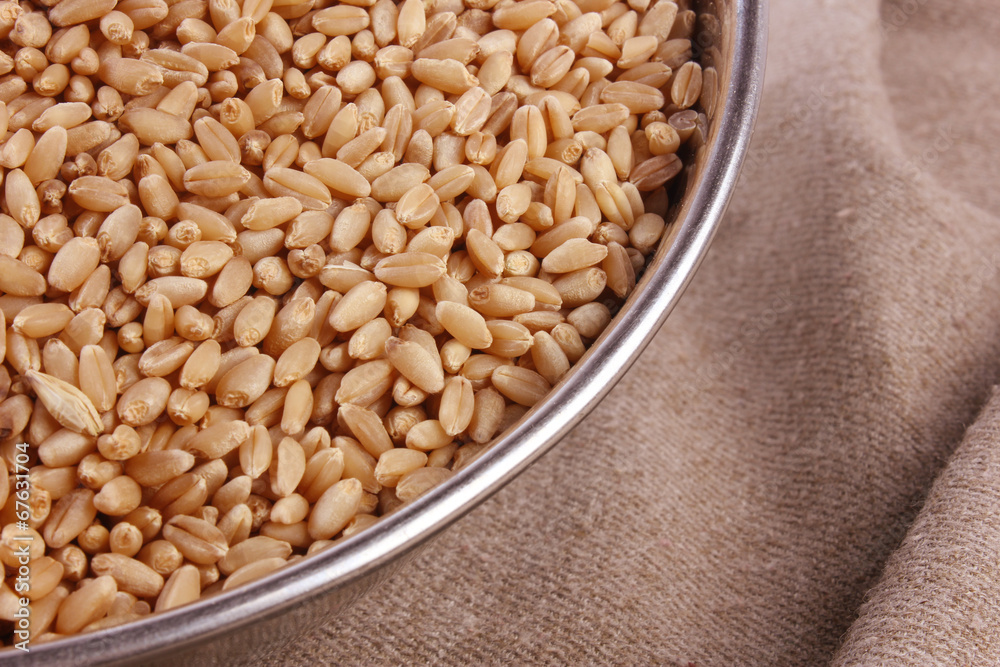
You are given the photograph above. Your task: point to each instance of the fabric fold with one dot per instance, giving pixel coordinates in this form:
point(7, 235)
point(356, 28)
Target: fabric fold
point(939, 598)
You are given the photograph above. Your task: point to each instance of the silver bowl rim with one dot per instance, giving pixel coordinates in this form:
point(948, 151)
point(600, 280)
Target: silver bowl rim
point(591, 379)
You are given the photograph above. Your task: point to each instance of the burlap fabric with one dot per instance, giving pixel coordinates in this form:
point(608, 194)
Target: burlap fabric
point(804, 467)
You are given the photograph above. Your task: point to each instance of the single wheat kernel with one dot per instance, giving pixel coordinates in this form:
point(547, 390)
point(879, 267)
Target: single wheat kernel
point(416, 483)
point(334, 509)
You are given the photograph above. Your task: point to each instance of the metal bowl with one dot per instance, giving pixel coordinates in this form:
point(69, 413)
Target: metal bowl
point(260, 618)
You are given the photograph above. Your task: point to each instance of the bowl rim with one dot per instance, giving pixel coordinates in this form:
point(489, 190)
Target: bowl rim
point(538, 431)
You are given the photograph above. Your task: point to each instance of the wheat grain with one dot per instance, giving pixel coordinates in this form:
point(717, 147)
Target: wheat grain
point(247, 224)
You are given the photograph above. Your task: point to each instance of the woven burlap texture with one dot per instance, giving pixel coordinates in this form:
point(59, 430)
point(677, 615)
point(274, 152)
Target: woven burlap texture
point(804, 466)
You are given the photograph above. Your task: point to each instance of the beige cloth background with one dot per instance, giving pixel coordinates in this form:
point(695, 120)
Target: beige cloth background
point(804, 467)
